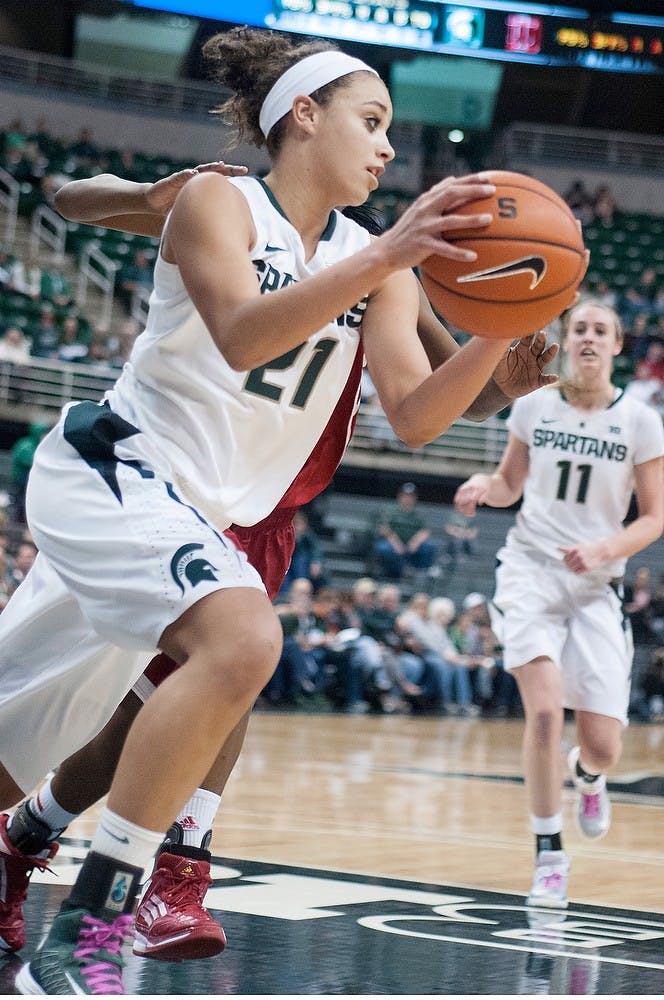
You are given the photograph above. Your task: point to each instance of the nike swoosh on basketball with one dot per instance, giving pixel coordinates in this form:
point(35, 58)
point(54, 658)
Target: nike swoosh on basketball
point(523, 265)
point(123, 840)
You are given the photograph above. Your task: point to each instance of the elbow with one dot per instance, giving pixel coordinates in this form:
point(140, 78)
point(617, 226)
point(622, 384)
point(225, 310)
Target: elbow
point(235, 352)
point(416, 436)
point(237, 360)
point(60, 202)
point(475, 413)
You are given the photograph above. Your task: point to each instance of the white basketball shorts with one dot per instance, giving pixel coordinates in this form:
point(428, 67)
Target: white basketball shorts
point(540, 608)
point(122, 556)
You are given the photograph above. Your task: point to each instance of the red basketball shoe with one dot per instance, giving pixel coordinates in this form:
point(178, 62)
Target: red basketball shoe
point(171, 922)
point(15, 871)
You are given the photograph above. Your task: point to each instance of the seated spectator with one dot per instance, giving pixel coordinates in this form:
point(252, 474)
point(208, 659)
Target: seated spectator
point(631, 304)
point(460, 533)
point(307, 560)
point(55, 284)
point(580, 201)
point(295, 666)
point(6, 267)
point(427, 621)
point(638, 596)
point(22, 457)
point(647, 285)
point(84, 149)
point(25, 556)
point(133, 276)
point(45, 335)
point(70, 348)
point(637, 337)
point(26, 277)
point(653, 687)
point(656, 615)
point(120, 345)
point(403, 537)
point(502, 694)
point(652, 366)
point(604, 293)
point(15, 136)
point(98, 353)
point(469, 636)
point(7, 585)
point(15, 346)
point(604, 205)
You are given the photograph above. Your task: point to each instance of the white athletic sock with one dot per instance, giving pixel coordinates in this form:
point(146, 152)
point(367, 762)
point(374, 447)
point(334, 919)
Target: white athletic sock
point(197, 815)
point(117, 838)
point(46, 808)
point(546, 825)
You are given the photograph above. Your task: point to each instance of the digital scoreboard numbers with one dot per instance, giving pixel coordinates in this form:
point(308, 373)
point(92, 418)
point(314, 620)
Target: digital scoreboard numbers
point(550, 35)
point(553, 35)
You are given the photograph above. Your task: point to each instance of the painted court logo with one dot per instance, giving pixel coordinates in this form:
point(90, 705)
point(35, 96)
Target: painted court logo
point(186, 566)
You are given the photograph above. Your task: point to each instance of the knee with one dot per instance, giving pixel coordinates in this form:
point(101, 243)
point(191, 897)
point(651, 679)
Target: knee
point(254, 658)
point(599, 755)
point(547, 725)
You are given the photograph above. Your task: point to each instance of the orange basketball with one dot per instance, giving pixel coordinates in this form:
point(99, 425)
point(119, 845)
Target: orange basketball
point(530, 262)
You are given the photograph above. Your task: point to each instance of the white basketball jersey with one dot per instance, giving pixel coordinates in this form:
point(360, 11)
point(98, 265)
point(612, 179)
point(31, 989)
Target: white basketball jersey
point(581, 469)
point(233, 442)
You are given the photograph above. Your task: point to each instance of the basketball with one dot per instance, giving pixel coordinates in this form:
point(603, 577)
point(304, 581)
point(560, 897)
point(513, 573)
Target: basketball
point(531, 260)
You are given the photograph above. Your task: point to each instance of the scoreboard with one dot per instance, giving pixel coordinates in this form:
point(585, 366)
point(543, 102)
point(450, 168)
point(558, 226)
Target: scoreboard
point(539, 33)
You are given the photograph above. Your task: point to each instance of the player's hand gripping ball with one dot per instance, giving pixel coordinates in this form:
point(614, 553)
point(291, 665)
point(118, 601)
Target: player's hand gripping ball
point(531, 261)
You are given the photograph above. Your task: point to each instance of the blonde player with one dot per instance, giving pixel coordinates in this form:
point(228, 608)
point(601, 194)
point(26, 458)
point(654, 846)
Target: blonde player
point(576, 454)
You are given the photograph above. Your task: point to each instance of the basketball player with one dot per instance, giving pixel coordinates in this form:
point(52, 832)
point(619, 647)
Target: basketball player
point(183, 928)
point(575, 453)
point(226, 394)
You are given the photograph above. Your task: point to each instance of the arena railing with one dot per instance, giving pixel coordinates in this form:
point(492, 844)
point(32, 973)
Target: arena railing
point(582, 147)
point(38, 391)
point(53, 72)
point(9, 195)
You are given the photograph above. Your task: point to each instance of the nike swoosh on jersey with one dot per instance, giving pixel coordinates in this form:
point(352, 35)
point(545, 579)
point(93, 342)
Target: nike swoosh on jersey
point(523, 265)
point(549, 420)
point(270, 249)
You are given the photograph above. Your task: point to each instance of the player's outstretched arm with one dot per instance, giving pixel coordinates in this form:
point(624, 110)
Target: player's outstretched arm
point(519, 371)
point(130, 206)
point(502, 488)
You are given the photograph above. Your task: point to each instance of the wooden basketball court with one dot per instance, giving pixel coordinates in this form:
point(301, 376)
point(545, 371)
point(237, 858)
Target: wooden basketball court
point(392, 855)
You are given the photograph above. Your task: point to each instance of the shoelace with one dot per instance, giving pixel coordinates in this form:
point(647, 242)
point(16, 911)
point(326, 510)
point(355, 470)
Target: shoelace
point(19, 878)
point(592, 806)
point(188, 890)
point(99, 948)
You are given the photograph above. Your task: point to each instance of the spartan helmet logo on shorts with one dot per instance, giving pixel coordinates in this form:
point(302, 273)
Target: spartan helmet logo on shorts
point(185, 566)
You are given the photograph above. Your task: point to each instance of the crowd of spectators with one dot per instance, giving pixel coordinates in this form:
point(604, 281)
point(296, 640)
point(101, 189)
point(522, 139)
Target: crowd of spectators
point(17, 554)
point(39, 319)
point(369, 650)
point(55, 328)
point(375, 648)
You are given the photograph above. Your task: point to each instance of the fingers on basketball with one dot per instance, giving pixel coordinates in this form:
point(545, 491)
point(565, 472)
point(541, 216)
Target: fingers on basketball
point(530, 261)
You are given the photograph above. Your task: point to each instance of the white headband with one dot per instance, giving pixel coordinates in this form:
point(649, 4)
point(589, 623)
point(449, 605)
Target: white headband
point(305, 77)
